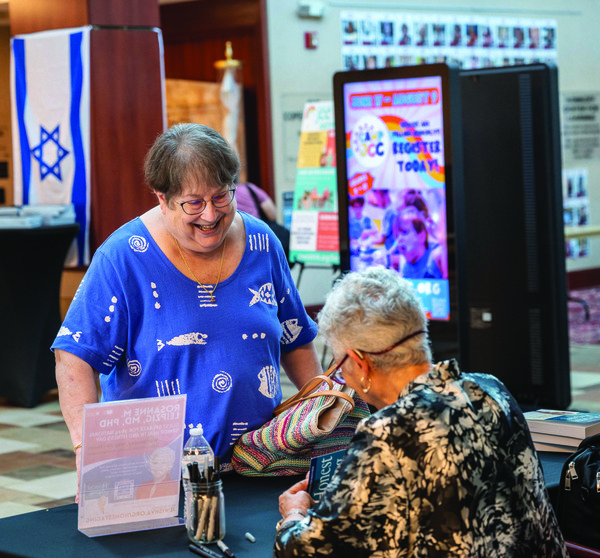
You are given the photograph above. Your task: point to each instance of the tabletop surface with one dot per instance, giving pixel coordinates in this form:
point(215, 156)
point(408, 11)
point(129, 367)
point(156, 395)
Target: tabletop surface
point(251, 505)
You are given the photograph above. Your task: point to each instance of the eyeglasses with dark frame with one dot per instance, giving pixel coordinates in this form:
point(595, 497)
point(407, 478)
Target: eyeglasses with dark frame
point(337, 375)
point(196, 207)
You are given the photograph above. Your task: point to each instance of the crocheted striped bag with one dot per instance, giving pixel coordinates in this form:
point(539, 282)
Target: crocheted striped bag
point(321, 418)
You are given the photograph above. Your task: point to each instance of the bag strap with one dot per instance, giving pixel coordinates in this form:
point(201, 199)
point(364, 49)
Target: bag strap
point(309, 388)
point(336, 393)
point(261, 212)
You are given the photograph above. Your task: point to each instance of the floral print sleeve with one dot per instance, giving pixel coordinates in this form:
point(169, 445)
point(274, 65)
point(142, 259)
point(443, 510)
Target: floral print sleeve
point(448, 470)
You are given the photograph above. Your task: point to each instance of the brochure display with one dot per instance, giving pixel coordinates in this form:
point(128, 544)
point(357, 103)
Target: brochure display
point(131, 465)
point(314, 234)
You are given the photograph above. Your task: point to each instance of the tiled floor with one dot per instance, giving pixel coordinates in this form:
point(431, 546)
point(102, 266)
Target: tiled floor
point(37, 464)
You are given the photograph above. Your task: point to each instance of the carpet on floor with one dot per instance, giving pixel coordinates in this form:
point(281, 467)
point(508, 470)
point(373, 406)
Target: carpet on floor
point(582, 330)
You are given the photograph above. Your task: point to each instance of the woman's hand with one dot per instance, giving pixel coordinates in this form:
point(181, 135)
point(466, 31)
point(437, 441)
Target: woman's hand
point(295, 498)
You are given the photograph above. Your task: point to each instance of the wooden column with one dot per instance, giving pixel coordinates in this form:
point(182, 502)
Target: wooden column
point(126, 96)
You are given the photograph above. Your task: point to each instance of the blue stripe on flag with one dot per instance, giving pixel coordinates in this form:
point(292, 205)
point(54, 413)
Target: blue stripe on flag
point(21, 97)
point(79, 192)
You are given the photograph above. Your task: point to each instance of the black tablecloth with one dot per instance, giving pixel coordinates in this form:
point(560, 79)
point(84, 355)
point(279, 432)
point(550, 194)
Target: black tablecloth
point(30, 274)
point(251, 505)
point(552, 463)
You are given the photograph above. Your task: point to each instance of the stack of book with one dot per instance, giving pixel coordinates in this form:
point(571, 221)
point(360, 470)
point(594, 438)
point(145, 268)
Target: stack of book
point(561, 431)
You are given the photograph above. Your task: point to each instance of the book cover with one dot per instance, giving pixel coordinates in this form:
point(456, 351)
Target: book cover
point(322, 469)
point(563, 423)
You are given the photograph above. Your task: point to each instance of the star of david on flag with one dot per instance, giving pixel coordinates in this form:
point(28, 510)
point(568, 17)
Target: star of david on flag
point(50, 94)
point(59, 152)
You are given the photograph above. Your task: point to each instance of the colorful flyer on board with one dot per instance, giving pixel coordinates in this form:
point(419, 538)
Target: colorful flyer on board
point(314, 233)
point(131, 465)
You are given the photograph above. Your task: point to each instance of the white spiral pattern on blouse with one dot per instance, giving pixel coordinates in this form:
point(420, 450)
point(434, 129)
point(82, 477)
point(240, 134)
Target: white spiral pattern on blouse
point(222, 382)
point(134, 367)
point(138, 243)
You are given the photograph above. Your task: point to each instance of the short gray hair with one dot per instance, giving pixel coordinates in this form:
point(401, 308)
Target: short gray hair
point(190, 152)
point(371, 310)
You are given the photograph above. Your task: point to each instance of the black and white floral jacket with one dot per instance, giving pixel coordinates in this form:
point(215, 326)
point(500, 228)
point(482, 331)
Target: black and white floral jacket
point(447, 470)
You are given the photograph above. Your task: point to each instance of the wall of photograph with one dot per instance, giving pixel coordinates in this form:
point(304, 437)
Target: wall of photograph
point(576, 209)
point(379, 40)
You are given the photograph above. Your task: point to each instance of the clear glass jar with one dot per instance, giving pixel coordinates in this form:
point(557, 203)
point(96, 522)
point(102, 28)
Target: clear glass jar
point(204, 511)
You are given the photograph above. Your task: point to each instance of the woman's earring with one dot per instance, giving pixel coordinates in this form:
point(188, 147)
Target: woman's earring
point(365, 389)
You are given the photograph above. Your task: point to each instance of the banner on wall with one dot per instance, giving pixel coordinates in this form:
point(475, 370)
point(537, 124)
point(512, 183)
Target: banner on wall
point(314, 233)
point(386, 39)
point(50, 96)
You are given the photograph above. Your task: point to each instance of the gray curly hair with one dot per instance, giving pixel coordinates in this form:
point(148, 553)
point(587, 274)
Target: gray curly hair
point(371, 310)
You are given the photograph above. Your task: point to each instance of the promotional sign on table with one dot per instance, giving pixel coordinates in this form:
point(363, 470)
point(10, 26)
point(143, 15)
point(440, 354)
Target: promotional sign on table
point(314, 234)
point(131, 465)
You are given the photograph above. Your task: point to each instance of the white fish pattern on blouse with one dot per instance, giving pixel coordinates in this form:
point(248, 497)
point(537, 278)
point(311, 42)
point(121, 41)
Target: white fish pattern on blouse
point(265, 294)
point(193, 338)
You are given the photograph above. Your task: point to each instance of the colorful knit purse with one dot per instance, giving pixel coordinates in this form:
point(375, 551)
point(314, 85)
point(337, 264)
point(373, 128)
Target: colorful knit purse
point(321, 418)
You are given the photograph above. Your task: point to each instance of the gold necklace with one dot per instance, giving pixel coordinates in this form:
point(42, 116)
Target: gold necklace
point(210, 293)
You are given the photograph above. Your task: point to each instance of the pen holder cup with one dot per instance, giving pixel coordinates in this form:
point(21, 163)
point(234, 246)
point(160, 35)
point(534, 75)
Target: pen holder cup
point(204, 511)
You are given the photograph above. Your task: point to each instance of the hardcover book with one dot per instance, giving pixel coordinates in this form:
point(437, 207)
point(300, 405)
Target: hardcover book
point(552, 439)
point(563, 423)
point(322, 469)
point(554, 448)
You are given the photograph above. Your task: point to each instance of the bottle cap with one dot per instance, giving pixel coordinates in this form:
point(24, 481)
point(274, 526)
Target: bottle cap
point(198, 431)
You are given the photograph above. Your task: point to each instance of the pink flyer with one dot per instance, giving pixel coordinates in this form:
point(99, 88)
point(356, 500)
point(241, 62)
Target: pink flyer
point(131, 465)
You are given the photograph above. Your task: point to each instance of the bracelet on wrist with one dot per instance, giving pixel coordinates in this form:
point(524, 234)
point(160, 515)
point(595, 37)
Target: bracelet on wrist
point(283, 521)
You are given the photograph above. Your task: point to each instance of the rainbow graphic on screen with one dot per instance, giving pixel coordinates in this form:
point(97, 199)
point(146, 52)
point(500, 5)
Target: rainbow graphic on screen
point(396, 183)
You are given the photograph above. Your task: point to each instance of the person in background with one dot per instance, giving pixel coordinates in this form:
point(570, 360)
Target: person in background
point(245, 202)
point(420, 256)
point(191, 298)
point(445, 467)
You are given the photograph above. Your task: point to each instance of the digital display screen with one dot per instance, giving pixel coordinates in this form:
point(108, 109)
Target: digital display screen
point(396, 183)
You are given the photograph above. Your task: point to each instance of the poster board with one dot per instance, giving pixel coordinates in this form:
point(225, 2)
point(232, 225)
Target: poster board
point(314, 234)
point(131, 465)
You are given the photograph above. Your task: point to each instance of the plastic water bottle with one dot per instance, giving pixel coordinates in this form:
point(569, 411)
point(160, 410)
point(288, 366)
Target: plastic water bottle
point(197, 450)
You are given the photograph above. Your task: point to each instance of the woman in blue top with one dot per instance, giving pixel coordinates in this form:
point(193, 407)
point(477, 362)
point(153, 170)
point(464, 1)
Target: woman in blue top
point(192, 297)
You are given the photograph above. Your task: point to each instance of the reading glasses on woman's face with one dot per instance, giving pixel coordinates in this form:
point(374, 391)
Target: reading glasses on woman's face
point(195, 207)
point(337, 375)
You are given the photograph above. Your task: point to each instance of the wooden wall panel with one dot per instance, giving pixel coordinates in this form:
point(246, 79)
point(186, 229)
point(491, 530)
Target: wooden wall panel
point(127, 116)
point(124, 12)
point(195, 34)
point(31, 16)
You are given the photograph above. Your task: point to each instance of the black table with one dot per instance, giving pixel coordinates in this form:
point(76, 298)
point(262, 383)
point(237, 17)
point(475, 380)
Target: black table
point(552, 463)
point(30, 275)
point(251, 505)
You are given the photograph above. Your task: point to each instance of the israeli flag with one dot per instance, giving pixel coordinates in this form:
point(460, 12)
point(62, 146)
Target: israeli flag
point(50, 93)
